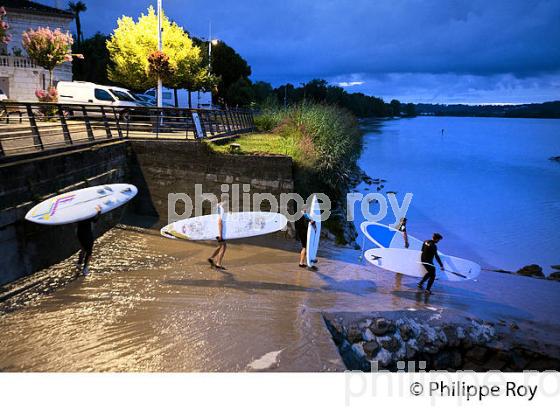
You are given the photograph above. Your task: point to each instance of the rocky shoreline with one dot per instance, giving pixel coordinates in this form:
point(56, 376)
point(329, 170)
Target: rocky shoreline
point(398, 340)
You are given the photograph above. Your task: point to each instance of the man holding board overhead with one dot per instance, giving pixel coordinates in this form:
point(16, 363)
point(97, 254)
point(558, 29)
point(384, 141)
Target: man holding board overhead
point(429, 251)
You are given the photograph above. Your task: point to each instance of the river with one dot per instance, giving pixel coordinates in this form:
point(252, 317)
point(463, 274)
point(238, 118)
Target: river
point(486, 184)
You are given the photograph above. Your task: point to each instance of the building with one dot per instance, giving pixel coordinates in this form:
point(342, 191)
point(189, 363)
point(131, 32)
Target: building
point(19, 76)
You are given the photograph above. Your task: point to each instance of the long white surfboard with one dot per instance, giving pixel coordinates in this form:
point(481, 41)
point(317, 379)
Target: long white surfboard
point(386, 236)
point(313, 232)
point(407, 262)
point(236, 225)
point(80, 205)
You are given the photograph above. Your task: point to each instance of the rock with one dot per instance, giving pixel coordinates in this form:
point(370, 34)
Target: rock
point(411, 349)
point(513, 326)
point(354, 335)
point(383, 357)
point(337, 331)
point(382, 326)
point(392, 344)
point(555, 267)
point(476, 354)
point(364, 323)
point(554, 276)
point(371, 348)
point(367, 335)
point(531, 270)
point(358, 350)
point(406, 331)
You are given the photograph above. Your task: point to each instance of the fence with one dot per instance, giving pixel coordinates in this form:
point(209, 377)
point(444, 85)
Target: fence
point(32, 127)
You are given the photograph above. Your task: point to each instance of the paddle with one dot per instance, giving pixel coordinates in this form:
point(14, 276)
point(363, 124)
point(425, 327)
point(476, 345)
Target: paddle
point(446, 270)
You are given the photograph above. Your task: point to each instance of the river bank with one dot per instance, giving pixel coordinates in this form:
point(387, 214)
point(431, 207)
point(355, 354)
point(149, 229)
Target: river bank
point(153, 304)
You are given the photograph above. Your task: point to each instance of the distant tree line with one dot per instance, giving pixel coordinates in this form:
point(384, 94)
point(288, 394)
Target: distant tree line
point(542, 110)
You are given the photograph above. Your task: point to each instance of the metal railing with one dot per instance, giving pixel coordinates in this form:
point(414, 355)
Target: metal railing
point(32, 127)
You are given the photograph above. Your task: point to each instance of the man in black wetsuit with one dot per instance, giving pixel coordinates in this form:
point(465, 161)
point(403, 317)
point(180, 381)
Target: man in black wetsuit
point(302, 225)
point(429, 252)
point(86, 239)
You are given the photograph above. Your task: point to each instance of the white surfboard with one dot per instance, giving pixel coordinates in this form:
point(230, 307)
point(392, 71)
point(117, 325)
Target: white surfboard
point(386, 236)
point(236, 225)
point(313, 232)
point(80, 205)
point(407, 262)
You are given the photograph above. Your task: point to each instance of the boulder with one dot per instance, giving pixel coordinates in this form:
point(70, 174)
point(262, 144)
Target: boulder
point(411, 348)
point(367, 335)
point(555, 267)
point(371, 348)
point(531, 270)
point(354, 335)
point(358, 350)
point(554, 276)
point(337, 331)
point(406, 331)
point(382, 326)
point(392, 344)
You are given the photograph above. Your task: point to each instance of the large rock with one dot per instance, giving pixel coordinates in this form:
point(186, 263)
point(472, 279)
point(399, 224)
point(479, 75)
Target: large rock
point(371, 348)
point(554, 276)
point(382, 326)
point(353, 334)
point(392, 344)
point(367, 335)
point(406, 331)
point(531, 270)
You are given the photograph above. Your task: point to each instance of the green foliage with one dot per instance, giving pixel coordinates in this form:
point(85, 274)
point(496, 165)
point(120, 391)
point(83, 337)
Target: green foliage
point(93, 67)
point(132, 42)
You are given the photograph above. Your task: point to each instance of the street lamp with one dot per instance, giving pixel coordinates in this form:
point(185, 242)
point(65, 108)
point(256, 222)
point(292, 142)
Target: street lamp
point(211, 42)
point(160, 47)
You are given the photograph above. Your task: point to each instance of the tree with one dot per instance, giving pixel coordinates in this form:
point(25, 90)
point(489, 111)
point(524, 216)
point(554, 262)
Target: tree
point(48, 48)
point(96, 60)
point(240, 93)
point(395, 107)
point(132, 42)
point(77, 8)
point(4, 36)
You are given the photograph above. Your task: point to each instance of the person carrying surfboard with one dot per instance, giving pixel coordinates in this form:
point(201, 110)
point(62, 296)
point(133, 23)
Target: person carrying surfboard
point(429, 252)
point(302, 225)
point(86, 239)
point(217, 257)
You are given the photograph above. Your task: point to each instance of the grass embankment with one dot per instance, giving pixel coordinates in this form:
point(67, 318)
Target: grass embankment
point(325, 143)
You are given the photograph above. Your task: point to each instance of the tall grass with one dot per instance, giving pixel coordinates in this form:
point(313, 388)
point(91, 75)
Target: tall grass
point(325, 142)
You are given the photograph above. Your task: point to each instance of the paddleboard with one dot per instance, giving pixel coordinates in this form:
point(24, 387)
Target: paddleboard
point(236, 225)
point(313, 233)
point(386, 236)
point(80, 205)
point(407, 262)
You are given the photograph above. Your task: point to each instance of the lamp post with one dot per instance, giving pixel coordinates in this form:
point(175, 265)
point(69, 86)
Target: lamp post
point(160, 47)
point(211, 42)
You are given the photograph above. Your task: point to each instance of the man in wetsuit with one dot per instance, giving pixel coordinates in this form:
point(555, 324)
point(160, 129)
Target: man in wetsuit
point(429, 252)
point(402, 228)
point(302, 225)
point(86, 239)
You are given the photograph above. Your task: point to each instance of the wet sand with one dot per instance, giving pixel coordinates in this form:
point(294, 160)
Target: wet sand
point(154, 304)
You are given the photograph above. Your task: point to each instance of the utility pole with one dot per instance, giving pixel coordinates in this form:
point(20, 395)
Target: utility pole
point(210, 46)
point(160, 47)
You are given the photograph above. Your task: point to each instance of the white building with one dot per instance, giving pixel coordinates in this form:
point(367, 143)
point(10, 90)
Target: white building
point(19, 76)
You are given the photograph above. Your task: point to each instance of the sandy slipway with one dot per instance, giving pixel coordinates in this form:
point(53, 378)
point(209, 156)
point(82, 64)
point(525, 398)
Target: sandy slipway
point(154, 304)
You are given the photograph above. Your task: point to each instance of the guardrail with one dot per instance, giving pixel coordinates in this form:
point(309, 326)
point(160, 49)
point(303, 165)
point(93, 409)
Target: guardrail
point(32, 127)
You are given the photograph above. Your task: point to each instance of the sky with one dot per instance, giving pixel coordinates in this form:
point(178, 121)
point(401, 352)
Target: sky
point(431, 51)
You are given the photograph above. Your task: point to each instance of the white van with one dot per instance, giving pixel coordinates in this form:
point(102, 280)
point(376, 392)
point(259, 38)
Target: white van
point(83, 92)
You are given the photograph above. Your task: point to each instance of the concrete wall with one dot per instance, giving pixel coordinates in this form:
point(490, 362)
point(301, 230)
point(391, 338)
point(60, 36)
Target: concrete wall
point(157, 168)
point(160, 168)
point(26, 247)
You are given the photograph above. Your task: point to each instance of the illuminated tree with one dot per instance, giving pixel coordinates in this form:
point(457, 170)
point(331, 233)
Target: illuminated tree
point(132, 43)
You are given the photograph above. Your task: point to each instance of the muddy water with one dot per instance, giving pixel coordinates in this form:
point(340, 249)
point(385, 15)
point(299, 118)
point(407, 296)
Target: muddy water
point(153, 304)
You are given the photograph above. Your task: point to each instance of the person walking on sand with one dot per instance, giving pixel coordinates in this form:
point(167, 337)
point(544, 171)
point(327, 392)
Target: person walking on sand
point(302, 225)
point(218, 256)
point(402, 228)
point(86, 239)
point(429, 252)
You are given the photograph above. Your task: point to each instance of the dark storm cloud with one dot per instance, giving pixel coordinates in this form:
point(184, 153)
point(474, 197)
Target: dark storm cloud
point(296, 40)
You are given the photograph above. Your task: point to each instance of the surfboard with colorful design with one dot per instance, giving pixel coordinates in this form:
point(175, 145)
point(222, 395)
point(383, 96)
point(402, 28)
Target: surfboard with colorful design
point(81, 204)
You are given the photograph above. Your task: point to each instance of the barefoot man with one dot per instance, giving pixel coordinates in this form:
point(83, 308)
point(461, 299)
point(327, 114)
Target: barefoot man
point(429, 251)
point(86, 239)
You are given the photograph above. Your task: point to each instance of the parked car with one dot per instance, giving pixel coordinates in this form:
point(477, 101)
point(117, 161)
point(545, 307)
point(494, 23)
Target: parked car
point(146, 99)
point(199, 99)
